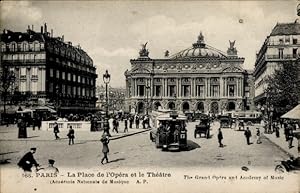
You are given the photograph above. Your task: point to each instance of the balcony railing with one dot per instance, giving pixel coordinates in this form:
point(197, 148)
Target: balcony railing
point(286, 56)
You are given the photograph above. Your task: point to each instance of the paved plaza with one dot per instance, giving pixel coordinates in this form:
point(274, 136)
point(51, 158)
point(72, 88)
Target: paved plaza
point(134, 149)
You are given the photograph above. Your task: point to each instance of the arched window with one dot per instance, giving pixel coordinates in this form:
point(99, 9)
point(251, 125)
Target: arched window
point(185, 107)
point(171, 106)
point(214, 108)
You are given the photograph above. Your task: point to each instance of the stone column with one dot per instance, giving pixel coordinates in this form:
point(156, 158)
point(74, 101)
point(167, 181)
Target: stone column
point(242, 86)
point(221, 87)
point(179, 87)
point(236, 93)
point(165, 82)
point(225, 82)
point(207, 87)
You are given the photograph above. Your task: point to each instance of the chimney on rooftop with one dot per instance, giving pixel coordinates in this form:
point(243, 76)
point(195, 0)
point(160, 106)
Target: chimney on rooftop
point(42, 30)
point(62, 38)
point(51, 33)
point(32, 27)
point(45, 26)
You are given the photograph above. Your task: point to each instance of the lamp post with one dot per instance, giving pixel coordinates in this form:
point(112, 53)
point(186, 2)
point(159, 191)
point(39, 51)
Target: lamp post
point(106, 80)
point(57, 99)
point(147, 107)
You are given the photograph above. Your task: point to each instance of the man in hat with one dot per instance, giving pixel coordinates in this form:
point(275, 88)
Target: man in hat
point(27, 161)
point(248, 135)
point(71, 135)
point(105, 149)
point(51, 169)
point(56, 130)
point(220, 138)
point(258, 141)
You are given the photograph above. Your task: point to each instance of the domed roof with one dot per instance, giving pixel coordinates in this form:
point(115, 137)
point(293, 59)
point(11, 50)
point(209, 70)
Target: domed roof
point(199, 50)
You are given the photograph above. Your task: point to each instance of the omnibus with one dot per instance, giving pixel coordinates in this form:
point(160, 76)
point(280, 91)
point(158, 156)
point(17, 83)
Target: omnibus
point(169, 130)
point(248, 117)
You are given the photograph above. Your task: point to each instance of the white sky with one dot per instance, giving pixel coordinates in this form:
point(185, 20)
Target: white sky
point(112, 32)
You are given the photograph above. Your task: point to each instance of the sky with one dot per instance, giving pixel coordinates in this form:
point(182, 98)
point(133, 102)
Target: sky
point(112, 32)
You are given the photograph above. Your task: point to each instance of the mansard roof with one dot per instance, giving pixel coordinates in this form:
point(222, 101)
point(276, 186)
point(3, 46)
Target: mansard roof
point(29, 36)
point(286, 29)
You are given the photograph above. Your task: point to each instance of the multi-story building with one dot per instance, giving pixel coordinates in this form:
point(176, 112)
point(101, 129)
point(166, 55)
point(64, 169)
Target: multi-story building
point(282, 45)
point(199, 78)
point(49, 70)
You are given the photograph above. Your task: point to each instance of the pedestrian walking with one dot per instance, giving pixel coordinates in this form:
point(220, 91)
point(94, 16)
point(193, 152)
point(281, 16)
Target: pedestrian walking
point(130, 121)
point(286, 132)
point(56, 130)
point(105, 149)
point(51, 169)
point(258, 136)
point(277, 130)
point(220, 138)
point(248, 135)
point(137, 121)
point(125, 123)
point(144, 122)
point(148, 122)
point(115, 125)
point(22, 133)
point(71, 136)
point(39, 122)
point(27, 161)
point(290, 135)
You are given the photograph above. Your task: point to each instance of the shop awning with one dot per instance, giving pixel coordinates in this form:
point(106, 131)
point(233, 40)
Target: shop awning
point(292, 114)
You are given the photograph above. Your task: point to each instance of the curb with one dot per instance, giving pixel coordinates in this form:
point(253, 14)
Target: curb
point(282, 149)
point(112, 138)
point(130, 134)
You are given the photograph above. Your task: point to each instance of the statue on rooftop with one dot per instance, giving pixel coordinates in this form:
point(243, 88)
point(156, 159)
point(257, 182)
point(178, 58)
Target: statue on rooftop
point(144, 52)
point(232, 50)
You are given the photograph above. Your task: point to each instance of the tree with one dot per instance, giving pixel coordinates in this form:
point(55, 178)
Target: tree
point(7, 81)
point(283, 89)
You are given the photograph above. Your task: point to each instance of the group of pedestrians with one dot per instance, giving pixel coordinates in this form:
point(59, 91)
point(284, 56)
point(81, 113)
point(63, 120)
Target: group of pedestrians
point(287, 125)
point(247, 135)
point(70, 135)
point(28, 161)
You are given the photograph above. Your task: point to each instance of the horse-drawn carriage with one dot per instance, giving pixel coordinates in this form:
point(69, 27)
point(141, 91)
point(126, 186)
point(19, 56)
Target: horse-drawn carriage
point(203, 127)
point(225, 121)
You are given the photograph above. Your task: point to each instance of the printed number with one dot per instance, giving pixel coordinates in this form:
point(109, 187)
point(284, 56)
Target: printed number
point(26, 175)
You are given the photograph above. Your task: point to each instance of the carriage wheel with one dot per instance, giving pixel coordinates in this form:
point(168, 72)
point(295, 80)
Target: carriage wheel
point(280, 169)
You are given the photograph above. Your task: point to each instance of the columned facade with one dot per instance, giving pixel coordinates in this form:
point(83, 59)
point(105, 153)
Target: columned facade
point(200, 78)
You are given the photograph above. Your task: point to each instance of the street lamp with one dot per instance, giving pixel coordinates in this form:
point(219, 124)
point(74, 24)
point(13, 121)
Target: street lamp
point(106, 80)
point(57, 99)
point(147, 107)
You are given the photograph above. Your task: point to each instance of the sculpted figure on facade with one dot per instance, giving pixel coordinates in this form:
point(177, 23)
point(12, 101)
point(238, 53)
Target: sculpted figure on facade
point(184, 71)
point(232, 50)
point(144, 52)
